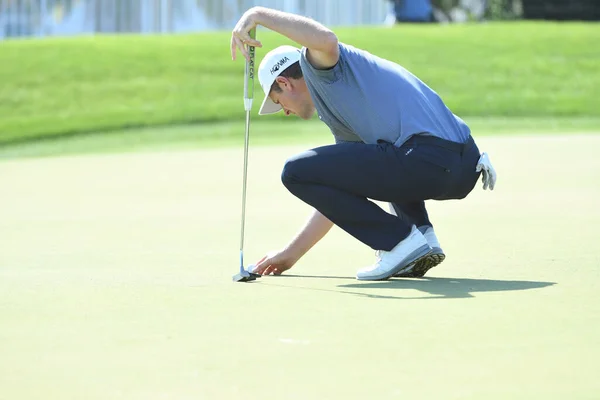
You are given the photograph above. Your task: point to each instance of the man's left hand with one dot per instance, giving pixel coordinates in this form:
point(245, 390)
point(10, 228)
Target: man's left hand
point(488, 173)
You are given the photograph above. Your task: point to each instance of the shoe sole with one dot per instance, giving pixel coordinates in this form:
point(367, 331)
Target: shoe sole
point(421, 267)
point(405, 267)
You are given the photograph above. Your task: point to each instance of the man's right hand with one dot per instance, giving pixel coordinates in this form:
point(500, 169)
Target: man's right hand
point(240, 37)
point(274, 263)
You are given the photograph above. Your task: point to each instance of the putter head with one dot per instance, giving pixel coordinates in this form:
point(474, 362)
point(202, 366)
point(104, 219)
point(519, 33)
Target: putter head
point(245, 276)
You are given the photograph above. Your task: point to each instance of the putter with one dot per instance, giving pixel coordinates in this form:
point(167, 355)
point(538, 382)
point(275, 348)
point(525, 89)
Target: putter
point(244, 275)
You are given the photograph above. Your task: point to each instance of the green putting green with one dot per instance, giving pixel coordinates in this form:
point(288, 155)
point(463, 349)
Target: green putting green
point(115, 283)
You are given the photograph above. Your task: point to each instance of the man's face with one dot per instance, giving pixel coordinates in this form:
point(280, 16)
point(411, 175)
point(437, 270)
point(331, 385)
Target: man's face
point(294, 97)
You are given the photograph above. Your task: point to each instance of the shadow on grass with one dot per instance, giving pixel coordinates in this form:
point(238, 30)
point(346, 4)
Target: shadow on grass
point(436, 288)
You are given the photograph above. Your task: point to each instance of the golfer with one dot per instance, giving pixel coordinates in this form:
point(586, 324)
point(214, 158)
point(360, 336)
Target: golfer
point(395, 141)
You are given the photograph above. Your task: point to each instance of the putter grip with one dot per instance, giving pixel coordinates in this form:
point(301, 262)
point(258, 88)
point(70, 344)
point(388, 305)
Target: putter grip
point(249, 73)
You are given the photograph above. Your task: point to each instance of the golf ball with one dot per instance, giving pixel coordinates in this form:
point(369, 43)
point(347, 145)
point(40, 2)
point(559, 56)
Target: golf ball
point(251, 268)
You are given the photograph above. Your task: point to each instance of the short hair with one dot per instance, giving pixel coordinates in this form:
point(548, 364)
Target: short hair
point(292, 72)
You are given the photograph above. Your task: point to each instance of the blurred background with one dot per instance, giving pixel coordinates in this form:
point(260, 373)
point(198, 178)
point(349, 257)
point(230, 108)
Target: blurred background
point(71, 17)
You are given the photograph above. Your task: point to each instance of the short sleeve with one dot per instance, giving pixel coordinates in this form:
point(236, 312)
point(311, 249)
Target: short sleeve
point(329, 75)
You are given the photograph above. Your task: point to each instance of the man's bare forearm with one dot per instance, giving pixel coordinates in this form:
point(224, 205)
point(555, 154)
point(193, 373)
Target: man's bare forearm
point(315, 229)
point(302, 30)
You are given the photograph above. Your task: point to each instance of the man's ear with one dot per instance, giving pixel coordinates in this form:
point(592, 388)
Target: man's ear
point(284, 83)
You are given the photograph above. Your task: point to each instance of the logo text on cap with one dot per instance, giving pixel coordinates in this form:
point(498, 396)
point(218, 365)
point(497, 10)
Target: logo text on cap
point(279, 64)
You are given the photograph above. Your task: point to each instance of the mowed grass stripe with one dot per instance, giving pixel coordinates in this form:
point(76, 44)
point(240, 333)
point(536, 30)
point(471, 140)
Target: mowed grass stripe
point(91, 84)
point(264, 131)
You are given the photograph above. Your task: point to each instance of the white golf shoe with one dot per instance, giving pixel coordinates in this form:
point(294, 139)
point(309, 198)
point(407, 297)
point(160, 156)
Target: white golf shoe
point(431, 260)
point(401, 259)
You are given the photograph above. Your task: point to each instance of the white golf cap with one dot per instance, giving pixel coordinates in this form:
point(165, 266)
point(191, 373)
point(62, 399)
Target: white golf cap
point(273, 64)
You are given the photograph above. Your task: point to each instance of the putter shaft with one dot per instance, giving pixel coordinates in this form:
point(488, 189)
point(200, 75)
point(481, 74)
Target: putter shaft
point(244, 184)
point(248, 97)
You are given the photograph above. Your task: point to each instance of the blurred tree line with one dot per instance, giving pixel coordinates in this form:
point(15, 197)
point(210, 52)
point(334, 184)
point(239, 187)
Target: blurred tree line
point(453, 10)
point(582, 10)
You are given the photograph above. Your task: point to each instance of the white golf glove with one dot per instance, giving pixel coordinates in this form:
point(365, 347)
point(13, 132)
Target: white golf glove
point(488, 173)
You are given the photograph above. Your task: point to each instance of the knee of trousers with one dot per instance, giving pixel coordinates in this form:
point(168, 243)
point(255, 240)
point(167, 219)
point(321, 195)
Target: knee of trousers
point(296, 169)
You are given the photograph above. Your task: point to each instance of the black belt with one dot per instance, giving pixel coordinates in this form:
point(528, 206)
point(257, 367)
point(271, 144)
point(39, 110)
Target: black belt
point(447, 144)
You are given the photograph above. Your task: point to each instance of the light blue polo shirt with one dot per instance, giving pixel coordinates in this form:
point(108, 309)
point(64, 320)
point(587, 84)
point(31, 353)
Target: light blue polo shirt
point(367, 98)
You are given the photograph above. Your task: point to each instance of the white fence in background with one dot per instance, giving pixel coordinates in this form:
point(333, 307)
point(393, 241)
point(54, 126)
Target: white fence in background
point(28, 18)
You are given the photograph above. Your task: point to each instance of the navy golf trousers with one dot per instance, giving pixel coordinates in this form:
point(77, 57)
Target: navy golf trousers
point(341, 181)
